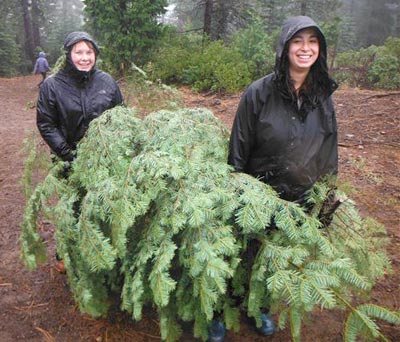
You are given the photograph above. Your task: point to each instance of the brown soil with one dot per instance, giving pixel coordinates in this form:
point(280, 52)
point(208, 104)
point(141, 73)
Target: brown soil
point(37, 305)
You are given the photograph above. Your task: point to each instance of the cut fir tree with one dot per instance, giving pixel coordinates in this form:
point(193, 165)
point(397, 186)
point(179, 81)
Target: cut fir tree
point(152, 211)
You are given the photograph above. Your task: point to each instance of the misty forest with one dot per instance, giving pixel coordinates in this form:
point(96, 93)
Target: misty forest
point(188, 41)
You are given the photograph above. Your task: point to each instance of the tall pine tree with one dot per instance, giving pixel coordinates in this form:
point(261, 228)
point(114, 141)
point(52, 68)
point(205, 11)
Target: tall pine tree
point(126, 28)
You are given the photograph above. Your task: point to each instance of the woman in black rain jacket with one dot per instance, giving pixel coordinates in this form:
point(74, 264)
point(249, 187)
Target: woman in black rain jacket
point(285, 130)
point(71, 98)
point(74, 96)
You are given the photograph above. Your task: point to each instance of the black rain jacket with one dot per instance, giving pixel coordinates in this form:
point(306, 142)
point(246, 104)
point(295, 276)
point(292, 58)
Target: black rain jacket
point(272, 139)
point(70, 99)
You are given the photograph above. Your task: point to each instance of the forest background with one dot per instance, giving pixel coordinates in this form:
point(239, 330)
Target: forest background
point(217, 45)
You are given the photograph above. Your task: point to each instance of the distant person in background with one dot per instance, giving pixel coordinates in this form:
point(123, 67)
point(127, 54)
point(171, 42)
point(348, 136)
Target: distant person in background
point(41, 66)
point(72, 97)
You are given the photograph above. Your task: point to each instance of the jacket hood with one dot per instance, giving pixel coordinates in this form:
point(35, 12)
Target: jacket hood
point(82, 77)
point(75, 37)
point(42, 54)
point(290, 27)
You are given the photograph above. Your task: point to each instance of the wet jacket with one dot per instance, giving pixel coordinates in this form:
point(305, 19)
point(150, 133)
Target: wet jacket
point(273, 139)
point(41, 64)
point(69, 100)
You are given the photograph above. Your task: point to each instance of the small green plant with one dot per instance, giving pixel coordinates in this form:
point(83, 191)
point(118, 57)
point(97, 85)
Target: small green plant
point(256, 48)
point(37, 163)
point(218, 68)
point(352, 66)
point(385, 72)
point(359, 164)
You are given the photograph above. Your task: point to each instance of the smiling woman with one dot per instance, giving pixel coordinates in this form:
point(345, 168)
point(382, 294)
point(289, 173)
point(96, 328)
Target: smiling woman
point(74, 96)
point(303, 53)
point(285, 131)
point(83, 55)
point(69, 100)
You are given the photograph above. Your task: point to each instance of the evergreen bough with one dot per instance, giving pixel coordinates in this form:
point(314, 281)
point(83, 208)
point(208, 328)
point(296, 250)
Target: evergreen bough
point(151, 210)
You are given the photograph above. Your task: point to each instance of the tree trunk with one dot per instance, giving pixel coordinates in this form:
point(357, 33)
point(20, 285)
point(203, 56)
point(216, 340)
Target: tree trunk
point(221, 14)
point(28, 43)
point(36, 19)
point(303, 7)
point(208, 13)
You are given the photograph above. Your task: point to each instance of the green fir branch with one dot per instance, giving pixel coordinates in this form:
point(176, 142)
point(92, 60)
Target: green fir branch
point(149, 209)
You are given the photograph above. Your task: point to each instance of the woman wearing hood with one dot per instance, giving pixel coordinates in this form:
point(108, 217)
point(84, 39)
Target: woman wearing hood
point(70, 99)
point(74, 96)
point(285, 130)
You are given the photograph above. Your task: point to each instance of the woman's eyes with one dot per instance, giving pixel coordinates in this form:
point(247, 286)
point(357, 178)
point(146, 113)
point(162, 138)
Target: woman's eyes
point(300, 41)
point(82, 52)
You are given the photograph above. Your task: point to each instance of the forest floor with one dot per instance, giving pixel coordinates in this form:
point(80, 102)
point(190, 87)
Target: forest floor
point(38, 306)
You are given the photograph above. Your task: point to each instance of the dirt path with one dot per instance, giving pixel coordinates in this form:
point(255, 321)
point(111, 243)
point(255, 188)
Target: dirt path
point(37, 306)
point(16, 118)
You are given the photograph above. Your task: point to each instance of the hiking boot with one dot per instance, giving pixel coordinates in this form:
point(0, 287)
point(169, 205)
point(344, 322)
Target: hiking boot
point(60, 267)
point(267, 325)
point(217, 331)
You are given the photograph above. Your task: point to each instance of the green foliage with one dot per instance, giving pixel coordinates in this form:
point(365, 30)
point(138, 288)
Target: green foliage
point(218, 68)
point(360, 322)
point(256, 48)
point(148, 96)
point(127, 30)
point(385, 71)
point(9, 53)
point(331, 29)
point(203, 64)
point(375, 67)
point(36, 161)
point(59, 64)
point(173, 57)
point(352, 66)
point(152, 212)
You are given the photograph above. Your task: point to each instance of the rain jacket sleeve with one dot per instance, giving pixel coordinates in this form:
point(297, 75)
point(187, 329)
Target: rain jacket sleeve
point(118, 98)
point(35, 68)
point(48, 125)
point(46, 65)
point(332, 160)
point(242, 134)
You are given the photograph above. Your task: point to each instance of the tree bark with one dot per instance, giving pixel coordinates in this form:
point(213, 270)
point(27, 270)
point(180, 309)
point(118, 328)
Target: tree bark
point(221, 14)
point(28, 43)
point(303, 7)
point(36, 19)
point(208, 13)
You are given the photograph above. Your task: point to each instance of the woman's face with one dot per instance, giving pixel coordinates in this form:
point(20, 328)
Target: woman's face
point(83, 55)
point(303, 50)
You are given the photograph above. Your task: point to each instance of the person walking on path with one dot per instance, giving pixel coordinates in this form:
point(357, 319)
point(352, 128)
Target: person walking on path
point(41, 67)
point(71, 98)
